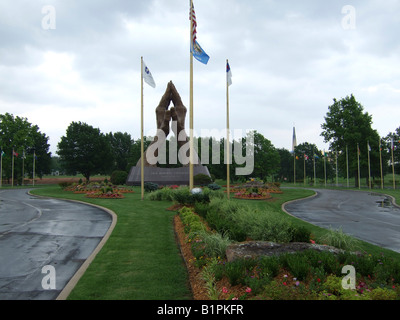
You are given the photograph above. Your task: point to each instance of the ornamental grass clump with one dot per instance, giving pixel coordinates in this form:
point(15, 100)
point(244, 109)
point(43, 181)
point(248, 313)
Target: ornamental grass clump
point(337, 238)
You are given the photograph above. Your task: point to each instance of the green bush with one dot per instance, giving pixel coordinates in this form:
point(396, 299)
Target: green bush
point(382, 294)
point(214, 186)
point(65, 184)
point(183, 196)
point(202, 179)
point(300, 234)
point(150, 186)
point(164, 194)
point(119, 177)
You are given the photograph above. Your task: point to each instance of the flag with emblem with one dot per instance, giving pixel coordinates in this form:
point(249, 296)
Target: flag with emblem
point(147, 76)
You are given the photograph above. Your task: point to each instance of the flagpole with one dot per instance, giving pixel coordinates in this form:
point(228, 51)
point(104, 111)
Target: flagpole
point(191, 101)
point(369, 167)
point(394, 181)
point(34, 159)
point(23, 160)
point(1, 168)
point(358, 164)
point(380, 158)
point(325, 168)
point(347, 165)
point(315, 175)
point(12, 169)
point(141, 132)
point(304, 170)
point(228, 183)
point(337, 174)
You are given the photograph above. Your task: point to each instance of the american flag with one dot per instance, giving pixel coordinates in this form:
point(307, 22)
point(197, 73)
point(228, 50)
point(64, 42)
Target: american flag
point(194, 23)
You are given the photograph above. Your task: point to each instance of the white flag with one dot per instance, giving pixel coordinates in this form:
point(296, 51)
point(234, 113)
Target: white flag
point(228, 74)
point(148, 78)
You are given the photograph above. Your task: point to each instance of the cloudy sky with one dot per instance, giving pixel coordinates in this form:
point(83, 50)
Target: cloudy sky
point(289, 59)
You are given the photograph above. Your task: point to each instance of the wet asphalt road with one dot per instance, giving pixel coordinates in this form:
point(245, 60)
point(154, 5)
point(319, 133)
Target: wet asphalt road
point(37, 232)
point(365, 215)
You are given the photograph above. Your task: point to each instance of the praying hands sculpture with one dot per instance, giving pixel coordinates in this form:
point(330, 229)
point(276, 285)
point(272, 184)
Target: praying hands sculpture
point(177, 114)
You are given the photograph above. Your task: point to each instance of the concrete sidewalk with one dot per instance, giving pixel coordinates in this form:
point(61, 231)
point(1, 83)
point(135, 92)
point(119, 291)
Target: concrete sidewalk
point(36, 233)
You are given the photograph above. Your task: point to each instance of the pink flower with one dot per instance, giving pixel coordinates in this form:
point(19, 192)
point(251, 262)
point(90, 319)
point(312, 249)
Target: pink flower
point(235, 298)
point(284, 283)
point(224, 290)
point(248, 289)
point(312, 241)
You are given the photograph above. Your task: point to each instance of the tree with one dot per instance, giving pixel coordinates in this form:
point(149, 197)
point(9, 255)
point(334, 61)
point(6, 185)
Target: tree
point(85, 149)
point(18, 134)
point(347, 125)
point(121, 144)
point(266, 156)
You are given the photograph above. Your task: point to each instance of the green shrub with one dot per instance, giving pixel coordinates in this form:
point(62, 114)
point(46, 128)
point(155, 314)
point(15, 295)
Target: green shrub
point(201, 209)
point(214, 186)
point(236, 270)
point(382, 294)
point(268, 267)
point(65, 184)
point(119, 177)
point(164, 194)
point(300, 234)
point(202, 179)
point(150, 186)
point(183, 196)
point(297, 264)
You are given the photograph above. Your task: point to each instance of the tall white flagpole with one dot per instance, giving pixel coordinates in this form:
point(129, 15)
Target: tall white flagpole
point(141, 132)
point(347, 165)
point(394, 181)
point(191, 101)
point(369, 168)
point(380, 159)
point(228, 184)
point(34, 159)
point(1, 168)
point(358, 164)
point(12, 169)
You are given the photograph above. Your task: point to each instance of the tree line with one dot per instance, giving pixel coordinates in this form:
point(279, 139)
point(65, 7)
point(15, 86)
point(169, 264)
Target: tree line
point(88, 151)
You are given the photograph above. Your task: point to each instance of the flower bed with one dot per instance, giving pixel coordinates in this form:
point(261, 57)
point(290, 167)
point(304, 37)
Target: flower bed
point(306, 275)
point(253, 194)
point(101, 195)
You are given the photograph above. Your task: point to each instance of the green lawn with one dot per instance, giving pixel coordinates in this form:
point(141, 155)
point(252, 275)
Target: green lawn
point(141, 259)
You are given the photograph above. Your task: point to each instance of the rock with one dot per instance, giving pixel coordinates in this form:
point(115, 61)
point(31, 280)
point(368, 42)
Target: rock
point(253, 249)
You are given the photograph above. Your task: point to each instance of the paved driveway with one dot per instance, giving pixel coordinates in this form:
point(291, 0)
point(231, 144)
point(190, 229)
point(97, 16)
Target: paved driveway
point(37, 232)
point(365, 215)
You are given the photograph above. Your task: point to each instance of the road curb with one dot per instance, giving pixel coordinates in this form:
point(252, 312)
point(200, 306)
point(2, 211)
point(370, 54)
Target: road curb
point(79, 273)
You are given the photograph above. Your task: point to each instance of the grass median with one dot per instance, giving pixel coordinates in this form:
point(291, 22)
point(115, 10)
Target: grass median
point(140, 261)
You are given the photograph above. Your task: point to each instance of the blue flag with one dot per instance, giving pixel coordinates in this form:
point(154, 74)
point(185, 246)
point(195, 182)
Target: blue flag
point(199, 53)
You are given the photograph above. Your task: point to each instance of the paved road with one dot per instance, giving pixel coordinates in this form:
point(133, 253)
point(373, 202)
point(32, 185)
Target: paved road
point(36, 232)
point(365, 215)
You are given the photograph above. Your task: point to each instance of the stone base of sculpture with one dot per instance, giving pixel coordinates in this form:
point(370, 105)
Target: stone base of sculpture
point(164, 176)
